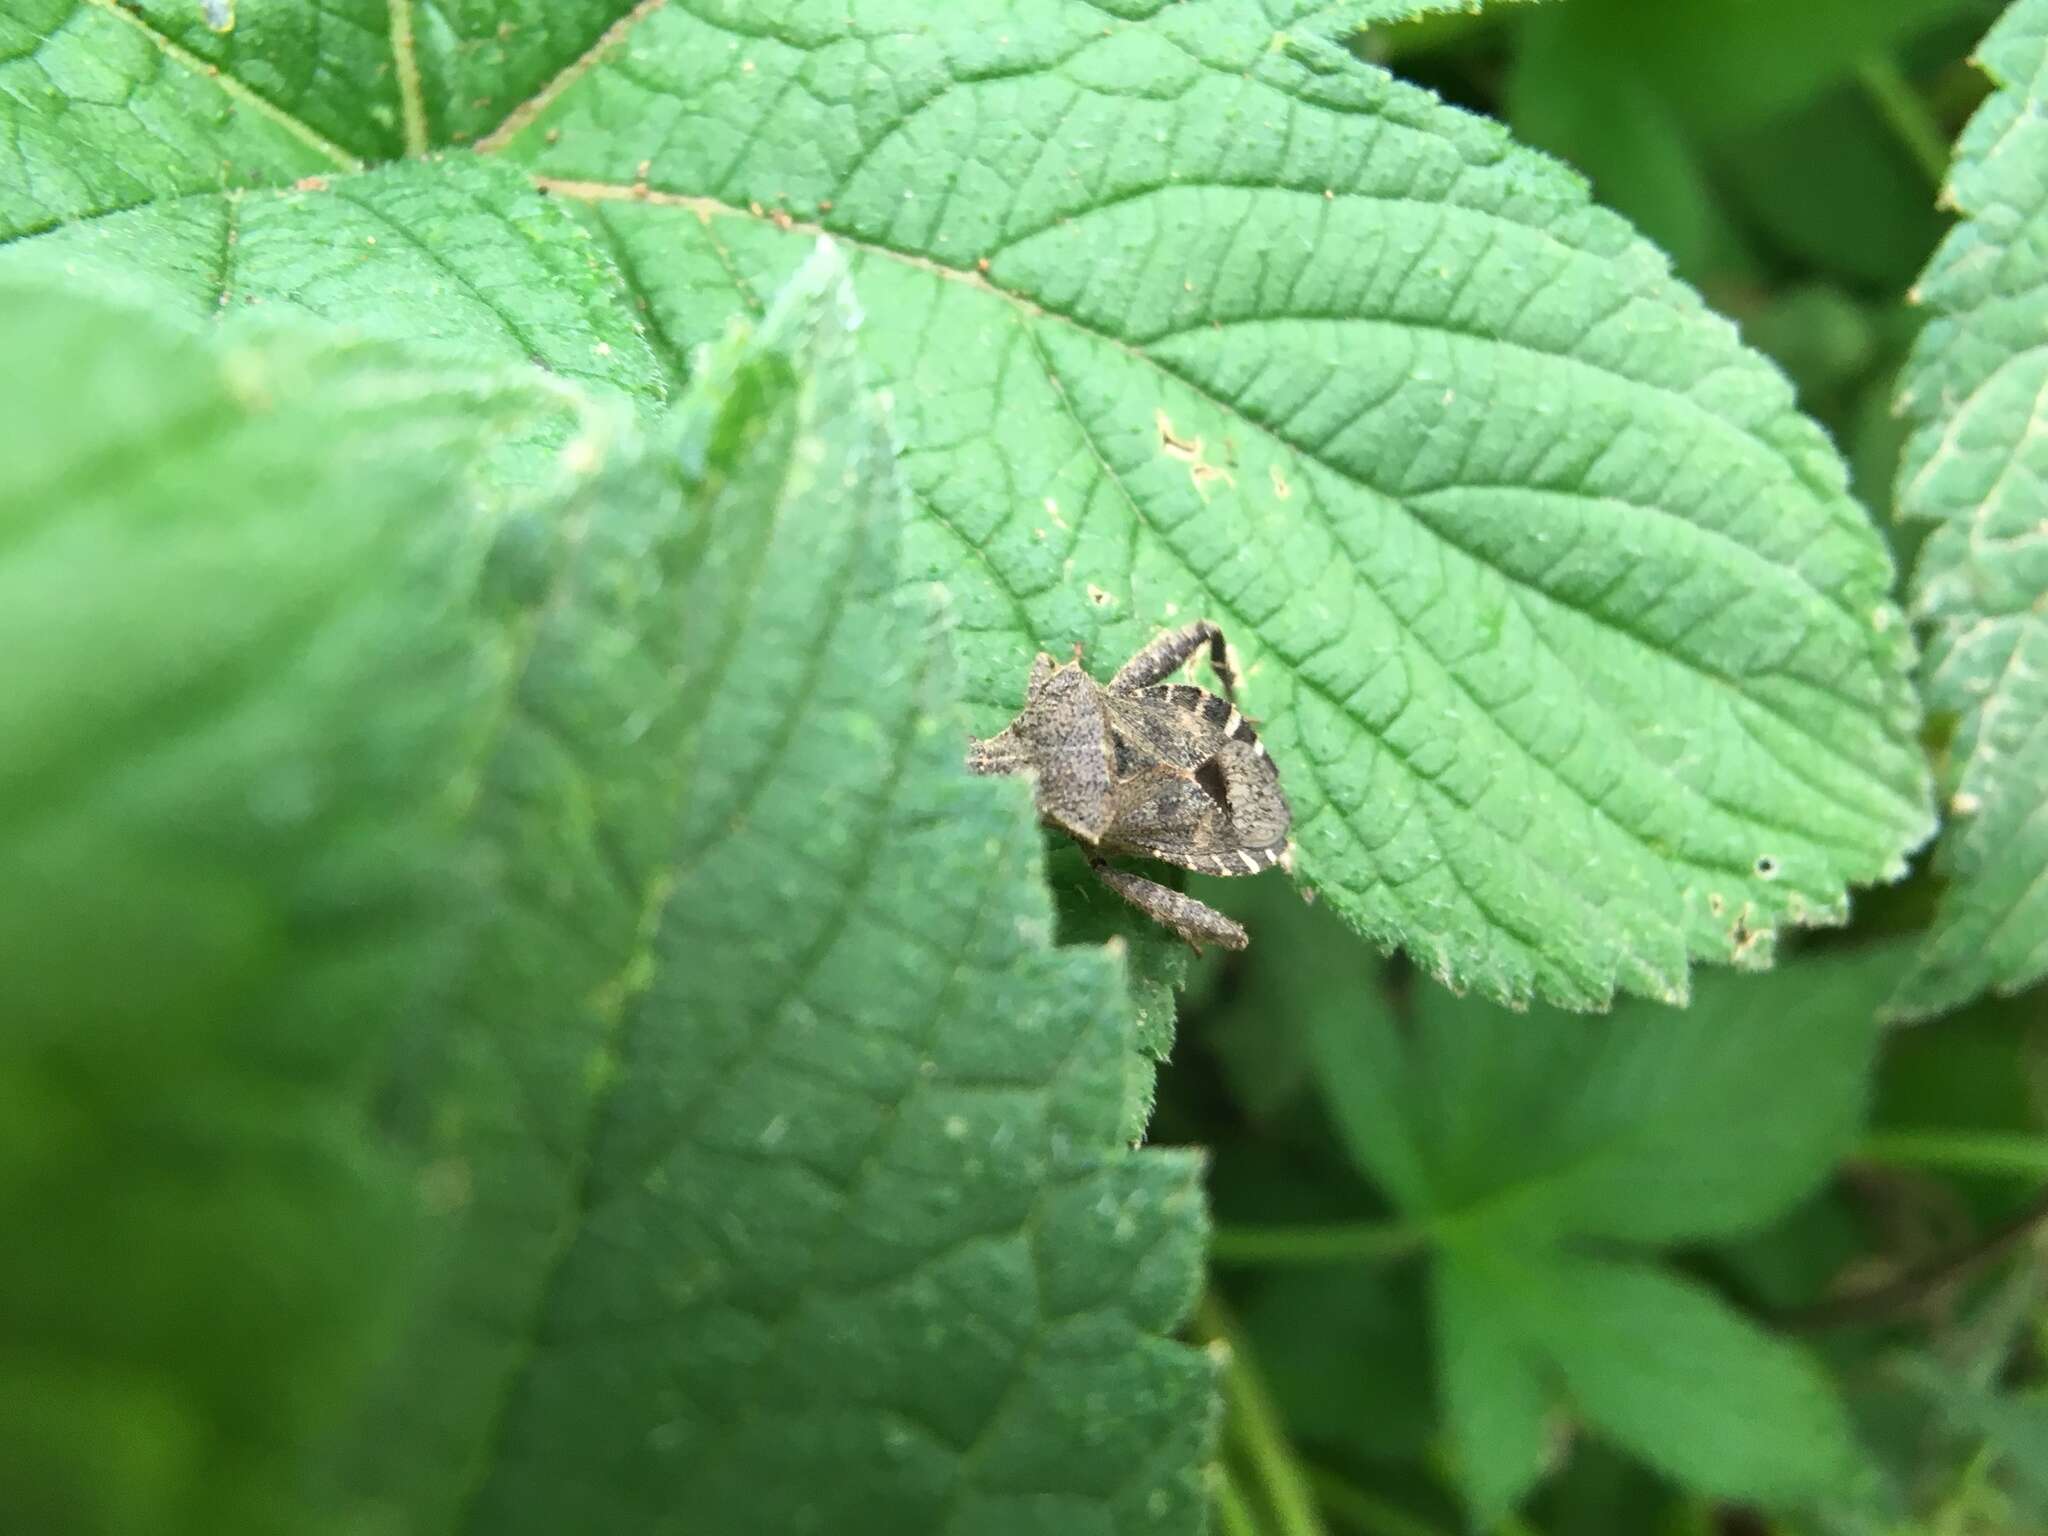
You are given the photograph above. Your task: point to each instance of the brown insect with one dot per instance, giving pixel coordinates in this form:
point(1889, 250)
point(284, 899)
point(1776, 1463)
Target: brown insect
point(1142, 766)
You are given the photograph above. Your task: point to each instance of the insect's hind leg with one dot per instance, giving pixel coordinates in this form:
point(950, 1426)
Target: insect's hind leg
point(1194, 922)
point(1170, 652)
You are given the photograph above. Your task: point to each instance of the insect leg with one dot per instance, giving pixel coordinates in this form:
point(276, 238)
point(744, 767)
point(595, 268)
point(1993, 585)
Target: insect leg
point(1194, 922)
point(1166, 655)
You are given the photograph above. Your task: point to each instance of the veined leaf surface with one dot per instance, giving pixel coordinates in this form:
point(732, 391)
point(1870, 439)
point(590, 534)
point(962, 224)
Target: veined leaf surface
point(1578, 659)
point(1977, 463)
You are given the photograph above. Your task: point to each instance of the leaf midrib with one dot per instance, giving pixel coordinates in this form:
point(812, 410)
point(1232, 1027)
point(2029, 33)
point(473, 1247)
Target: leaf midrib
point(232, 85)
point(620, 27)
point(709, 208)
point(590, 1192)
point(617, 30)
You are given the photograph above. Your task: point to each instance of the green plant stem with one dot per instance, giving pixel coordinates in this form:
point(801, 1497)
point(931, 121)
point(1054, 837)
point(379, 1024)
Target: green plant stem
point(1366, 1513)
point(1252, 1420)
point(1906, 115)
point(1329, 1243)
point(1233, 1514)
point(2016, 1154)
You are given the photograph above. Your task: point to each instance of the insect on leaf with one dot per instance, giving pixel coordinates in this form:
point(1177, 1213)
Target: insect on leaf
point(794, 1144)
point(1576, 655)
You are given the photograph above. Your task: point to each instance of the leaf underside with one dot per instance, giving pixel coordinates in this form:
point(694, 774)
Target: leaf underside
point(1575, 654)
point(1976, 390)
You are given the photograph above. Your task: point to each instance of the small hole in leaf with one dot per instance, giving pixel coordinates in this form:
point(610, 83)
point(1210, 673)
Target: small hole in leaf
point(1766, 867)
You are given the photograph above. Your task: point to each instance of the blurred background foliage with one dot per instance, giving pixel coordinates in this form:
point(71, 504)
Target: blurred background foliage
point(1865, 1203)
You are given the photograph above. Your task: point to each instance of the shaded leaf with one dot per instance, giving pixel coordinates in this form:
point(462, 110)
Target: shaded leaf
point(1520, 1142)
point(244, 682)
point(1580, 91)
point(1725, 64)
point(1497, 1400)
point(1345, 1350)
point(1648, 1126)
point(1652, 1363)
point(1851, 200)
point(2008, 1428)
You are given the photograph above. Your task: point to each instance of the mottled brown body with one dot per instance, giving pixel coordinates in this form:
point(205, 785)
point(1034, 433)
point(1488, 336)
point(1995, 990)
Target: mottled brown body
point(1138, 765)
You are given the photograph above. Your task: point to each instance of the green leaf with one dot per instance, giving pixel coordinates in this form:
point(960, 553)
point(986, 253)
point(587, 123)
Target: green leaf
point(1723, 65)
point(2008, 1429)
point(1850, 201)
point(1497, 1400)
point(99, 112)
point(1515, 1142)
point(1345, 1349)
point(1653, 1363)
point(1452, 699)
point(1574, 652)
point(463, 253)
point(1646, 1126)
point(778, 1150)
point(1579, 90)
point(242, 685)
point(1976, 464)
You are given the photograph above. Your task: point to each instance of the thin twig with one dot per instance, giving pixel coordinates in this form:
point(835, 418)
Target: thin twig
point(1999, 1154)
point(1252, 1420)
point(1233, 1513)
point(1366, 1513)
point(1892, 94)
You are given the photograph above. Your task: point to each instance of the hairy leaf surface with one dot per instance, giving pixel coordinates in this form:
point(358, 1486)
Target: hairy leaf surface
point(1977, 463)
point(782, 1185)
point(1576, 656)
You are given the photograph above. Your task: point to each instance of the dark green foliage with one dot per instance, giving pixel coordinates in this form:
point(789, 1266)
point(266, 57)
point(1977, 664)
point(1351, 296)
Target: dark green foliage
point(243, 686)
point(516, 1018)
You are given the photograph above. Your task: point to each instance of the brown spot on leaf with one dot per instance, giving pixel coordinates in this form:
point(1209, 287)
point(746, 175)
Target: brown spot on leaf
point(1190, 452)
